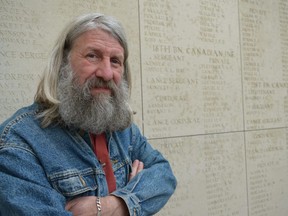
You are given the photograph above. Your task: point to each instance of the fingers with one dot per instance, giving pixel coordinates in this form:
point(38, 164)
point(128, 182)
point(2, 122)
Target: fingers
point(69, 205)
point(82, 206)
point(137, 167)
point(140, 167)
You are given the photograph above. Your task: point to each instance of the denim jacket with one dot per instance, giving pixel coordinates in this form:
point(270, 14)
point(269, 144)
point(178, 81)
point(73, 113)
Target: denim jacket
point(43, 168)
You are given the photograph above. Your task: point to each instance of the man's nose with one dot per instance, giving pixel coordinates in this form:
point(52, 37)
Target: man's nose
point(104, 70)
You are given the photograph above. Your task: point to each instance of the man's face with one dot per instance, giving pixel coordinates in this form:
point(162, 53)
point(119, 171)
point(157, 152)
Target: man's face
point(92, 94)
point(97, 54)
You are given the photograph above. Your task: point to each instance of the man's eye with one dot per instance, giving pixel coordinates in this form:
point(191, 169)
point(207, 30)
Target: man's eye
point(91, 56)
point(116, 61)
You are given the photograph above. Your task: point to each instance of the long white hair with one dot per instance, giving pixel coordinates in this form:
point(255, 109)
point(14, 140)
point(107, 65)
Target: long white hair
point(46, 94)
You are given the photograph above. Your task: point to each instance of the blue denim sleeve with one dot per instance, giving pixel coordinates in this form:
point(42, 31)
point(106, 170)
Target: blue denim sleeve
point(150, 190)
point(24, 186)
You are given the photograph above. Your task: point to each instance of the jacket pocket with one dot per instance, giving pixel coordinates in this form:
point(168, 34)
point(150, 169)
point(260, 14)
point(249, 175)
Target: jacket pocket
point(74, 182)
point(121, 171)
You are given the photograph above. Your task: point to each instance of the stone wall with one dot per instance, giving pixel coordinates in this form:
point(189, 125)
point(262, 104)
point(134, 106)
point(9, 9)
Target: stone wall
point(210, 82)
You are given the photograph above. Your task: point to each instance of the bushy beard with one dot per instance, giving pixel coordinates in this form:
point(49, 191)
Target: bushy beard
point(78, 108)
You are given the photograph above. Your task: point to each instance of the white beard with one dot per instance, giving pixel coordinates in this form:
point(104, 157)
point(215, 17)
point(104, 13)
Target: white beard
point(94, 114)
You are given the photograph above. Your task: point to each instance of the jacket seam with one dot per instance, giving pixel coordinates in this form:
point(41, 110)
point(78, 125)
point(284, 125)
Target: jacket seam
point(13, 122)
point(71, 173)
point(15, 146)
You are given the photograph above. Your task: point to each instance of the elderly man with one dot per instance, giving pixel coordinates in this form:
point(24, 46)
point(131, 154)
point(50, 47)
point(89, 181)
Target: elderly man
point(75, 150)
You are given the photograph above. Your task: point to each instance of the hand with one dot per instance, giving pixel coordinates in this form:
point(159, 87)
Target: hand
point(82, 206)
point(86, 206)
point(111, 205)
point(137, 167)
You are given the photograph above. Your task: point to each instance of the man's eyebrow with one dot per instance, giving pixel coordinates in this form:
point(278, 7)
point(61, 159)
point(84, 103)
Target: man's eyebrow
point(120, 56)
point(115, 53)
point(89, 48)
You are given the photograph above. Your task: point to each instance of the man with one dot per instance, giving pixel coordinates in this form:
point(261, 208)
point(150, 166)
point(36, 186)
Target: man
point(76, 150)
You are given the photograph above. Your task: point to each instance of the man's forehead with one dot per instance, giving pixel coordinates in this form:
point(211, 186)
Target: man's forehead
point(98, 38)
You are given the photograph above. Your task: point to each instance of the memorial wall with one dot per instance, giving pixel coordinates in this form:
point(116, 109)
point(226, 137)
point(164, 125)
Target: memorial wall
point(210, 90)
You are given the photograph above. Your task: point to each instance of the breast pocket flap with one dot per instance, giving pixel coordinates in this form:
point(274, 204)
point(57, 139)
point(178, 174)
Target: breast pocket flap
point(73, 183)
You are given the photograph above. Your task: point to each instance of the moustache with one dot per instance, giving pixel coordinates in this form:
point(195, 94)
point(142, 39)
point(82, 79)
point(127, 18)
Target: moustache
point(95, 82)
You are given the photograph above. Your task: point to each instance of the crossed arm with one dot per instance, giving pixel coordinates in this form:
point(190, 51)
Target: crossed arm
point(111, 205)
